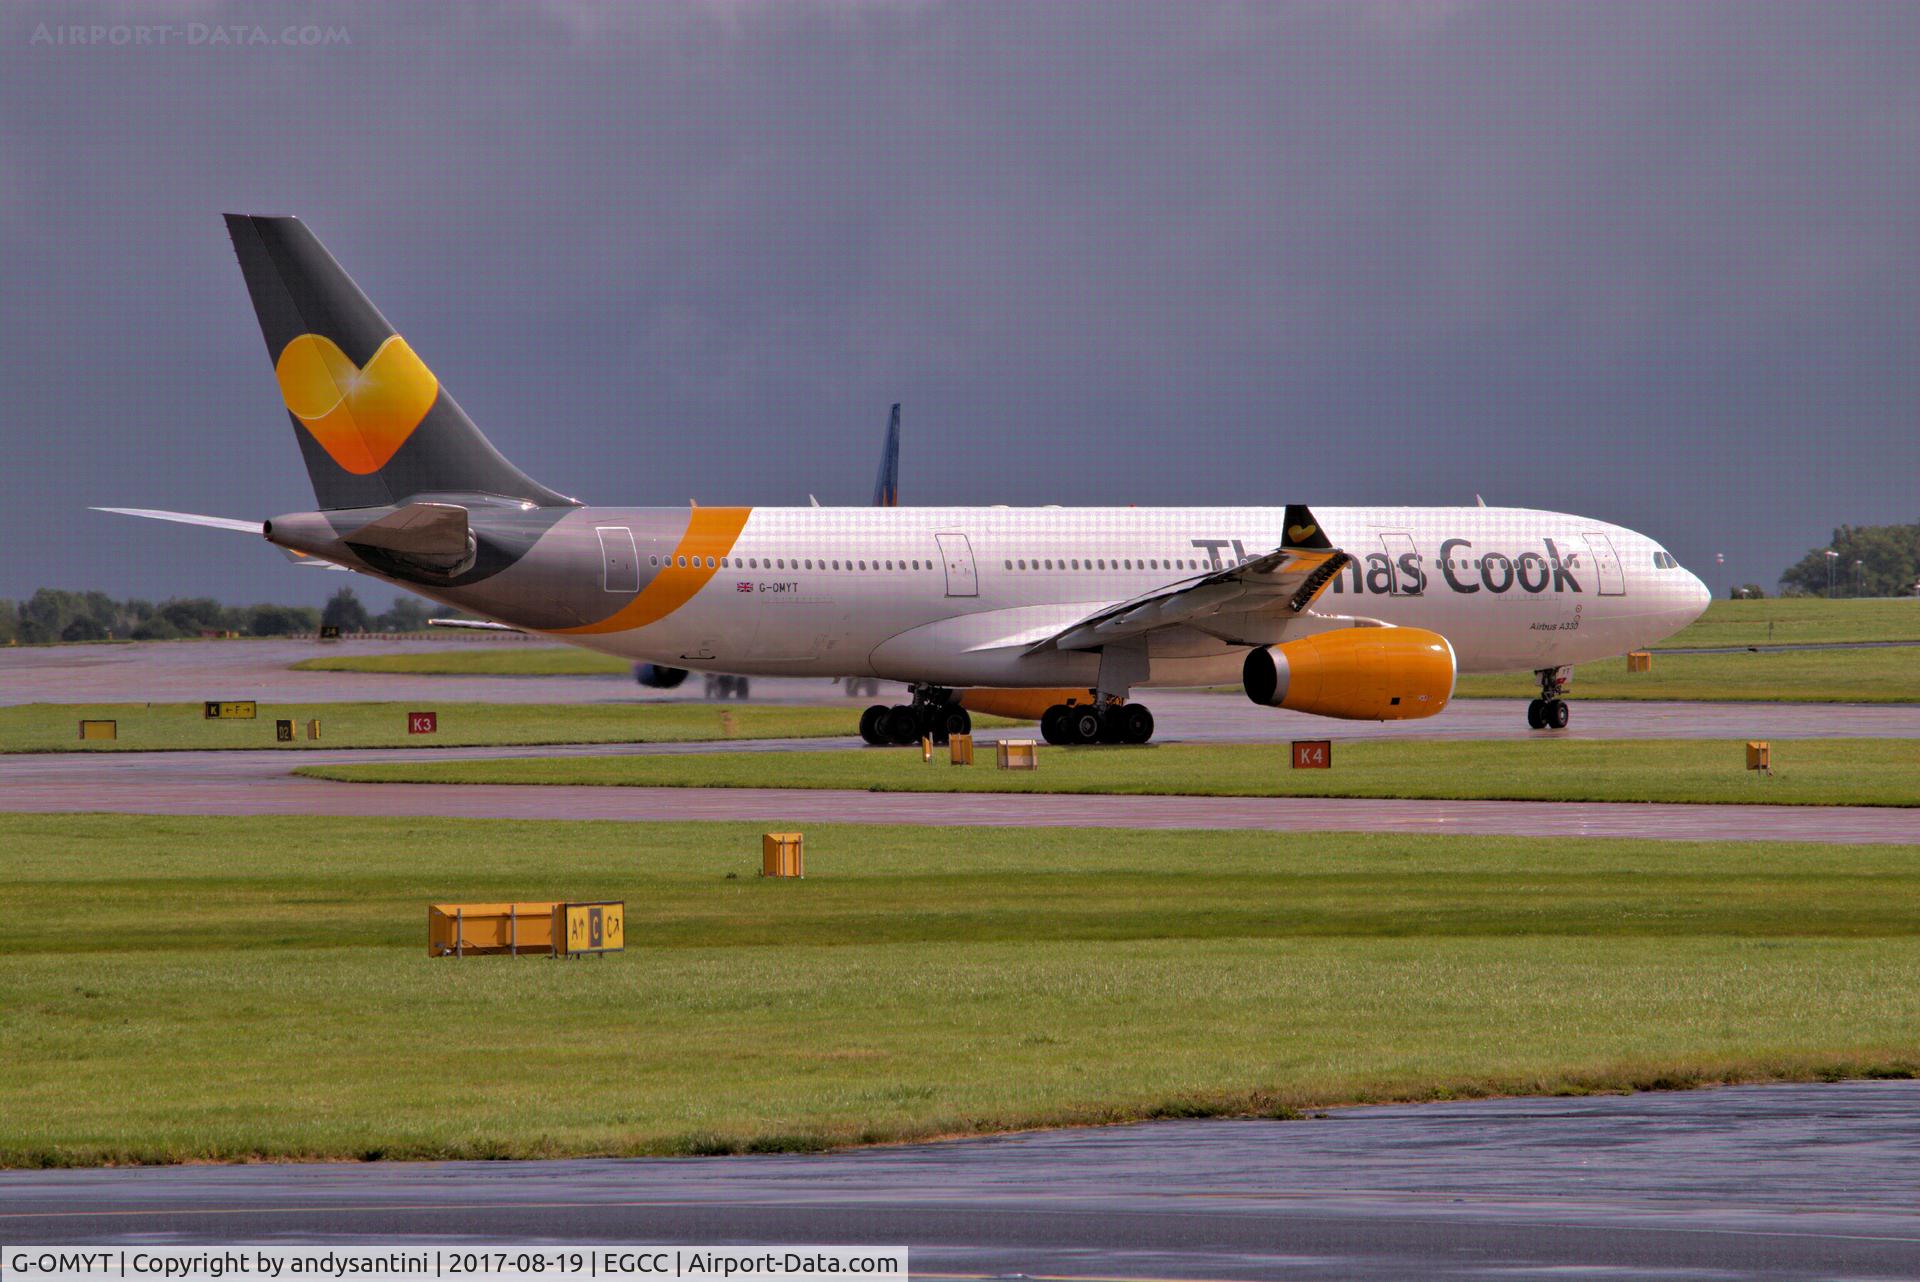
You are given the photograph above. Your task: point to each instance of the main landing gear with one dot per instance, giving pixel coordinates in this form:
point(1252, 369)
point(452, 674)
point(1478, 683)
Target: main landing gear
point(933, 714)
point(1549, 711)
point(1083, 723)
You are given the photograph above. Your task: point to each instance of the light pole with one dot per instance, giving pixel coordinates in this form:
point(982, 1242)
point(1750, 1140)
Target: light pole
point(1859, 578)
point(1832, 556)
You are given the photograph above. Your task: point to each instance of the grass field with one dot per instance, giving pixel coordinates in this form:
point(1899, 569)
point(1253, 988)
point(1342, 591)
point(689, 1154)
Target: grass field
point(1817, 772)
point(1799, 620)
point(500, 659)
point(187, 989)
point(1797, 676)
point(54, 727)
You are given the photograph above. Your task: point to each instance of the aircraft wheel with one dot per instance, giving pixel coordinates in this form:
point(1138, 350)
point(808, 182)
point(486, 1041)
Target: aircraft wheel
point(956, 720)
point(902, 725)
point(1083, 725)
point(1536, 714)
point(1053, 725)
point(741, 687)
point(1557, 714)
point(1136, 724)
point(872, 724)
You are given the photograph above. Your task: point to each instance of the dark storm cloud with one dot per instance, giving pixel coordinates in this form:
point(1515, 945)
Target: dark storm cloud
point(1656, 264)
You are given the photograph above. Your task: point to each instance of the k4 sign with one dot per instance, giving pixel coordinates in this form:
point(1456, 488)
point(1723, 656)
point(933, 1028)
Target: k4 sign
point(1313, 754)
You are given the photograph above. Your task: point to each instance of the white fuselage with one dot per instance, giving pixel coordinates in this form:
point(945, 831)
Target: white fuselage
point(961, 596)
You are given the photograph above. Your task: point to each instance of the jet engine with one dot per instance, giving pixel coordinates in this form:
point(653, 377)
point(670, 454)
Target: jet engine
point(658, 678)
point(1357, 674)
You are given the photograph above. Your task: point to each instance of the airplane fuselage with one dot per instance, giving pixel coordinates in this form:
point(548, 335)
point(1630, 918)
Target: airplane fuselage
point(963, 596)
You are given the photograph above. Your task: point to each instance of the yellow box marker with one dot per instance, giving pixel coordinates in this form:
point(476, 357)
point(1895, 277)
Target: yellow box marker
point(1758, 756)
point(1017, 754)
point(960, 750)
point(313, 728)
point(460, 930)
point(1639, 661)
point(99, 729)
point(783, 854)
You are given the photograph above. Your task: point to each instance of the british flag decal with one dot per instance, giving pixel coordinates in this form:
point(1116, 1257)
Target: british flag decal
point(743, 586)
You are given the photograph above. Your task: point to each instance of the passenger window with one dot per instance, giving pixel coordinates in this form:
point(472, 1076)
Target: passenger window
point(653, 560)
point(683, 562)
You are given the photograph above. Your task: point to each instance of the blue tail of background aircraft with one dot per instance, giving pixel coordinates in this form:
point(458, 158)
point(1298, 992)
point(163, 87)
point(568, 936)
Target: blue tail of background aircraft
point(886, 489)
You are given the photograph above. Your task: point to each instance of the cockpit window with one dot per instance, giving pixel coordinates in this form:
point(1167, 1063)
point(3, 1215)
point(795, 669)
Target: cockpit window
point(1665, 561)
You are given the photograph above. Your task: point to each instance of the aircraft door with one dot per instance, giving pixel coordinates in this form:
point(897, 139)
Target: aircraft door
point(957, 554)
point(619, 562)
point(1606, 566)
point(1408, 576)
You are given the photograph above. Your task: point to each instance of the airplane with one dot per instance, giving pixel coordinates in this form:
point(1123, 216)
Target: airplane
point(1363, 613)
point(886, 493)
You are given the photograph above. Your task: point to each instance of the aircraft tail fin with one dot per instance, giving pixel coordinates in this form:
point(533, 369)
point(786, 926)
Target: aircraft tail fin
point(374, 424)
point(886, 488)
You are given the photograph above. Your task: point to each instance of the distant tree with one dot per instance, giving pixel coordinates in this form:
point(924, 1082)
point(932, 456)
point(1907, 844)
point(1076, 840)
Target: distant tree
point(281, 620)
point(406, 614)
point(1872, 560)
point(345, 612)
point(83, 627)
point(9, 622)
point(1746, 592)
point(191, 615)
point(44, 616)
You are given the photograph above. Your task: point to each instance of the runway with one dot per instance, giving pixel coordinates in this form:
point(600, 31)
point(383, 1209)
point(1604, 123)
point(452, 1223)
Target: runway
point(1809, 1181)
point(194, 671)
point(257, 783)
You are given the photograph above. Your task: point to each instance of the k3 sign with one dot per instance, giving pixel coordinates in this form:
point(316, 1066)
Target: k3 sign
point(423, 723)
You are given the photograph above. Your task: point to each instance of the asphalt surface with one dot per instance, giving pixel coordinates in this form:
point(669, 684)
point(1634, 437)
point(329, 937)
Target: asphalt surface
point(194, 671)
point(1814, 1181)
point(257, 783)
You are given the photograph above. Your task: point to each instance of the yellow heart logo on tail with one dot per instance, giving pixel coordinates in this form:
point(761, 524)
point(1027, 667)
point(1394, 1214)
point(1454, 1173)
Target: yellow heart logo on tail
point(1300, 533)
point(361, 417)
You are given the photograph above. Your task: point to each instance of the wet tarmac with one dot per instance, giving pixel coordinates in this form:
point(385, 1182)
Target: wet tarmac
point(1789, 1182)
point(259, 670)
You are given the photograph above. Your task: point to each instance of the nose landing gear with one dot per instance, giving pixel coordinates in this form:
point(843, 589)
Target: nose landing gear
point(1550, 711)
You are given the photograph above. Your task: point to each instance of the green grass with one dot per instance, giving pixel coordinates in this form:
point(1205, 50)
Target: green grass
point(500, 659)
point(1816, 772)
point(187, 989)
point(54, 727)
point(1792, 676)
point(1798, 620)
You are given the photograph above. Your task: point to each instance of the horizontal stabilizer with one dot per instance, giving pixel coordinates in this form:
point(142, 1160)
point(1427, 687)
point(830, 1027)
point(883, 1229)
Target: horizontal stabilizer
point(188, 518)
point(422, 530)
point(474, 625)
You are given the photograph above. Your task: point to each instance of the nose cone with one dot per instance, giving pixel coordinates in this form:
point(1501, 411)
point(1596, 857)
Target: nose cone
point(1695, 597)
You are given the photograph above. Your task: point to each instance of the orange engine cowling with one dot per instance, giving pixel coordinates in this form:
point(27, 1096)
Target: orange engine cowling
point(1022, 705)
point(1358, 674)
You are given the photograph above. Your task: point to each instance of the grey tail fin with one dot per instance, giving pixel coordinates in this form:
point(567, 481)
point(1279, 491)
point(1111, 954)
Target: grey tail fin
point(374, 424)
point(886, 488)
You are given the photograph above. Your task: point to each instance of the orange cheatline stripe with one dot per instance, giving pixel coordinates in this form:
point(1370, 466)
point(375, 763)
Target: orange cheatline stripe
point(711, 532)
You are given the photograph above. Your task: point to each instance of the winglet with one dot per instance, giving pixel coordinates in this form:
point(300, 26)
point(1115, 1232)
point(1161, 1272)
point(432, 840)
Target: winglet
point(1303, 532)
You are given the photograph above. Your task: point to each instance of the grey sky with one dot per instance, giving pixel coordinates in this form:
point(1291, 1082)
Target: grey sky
point(1656, 264)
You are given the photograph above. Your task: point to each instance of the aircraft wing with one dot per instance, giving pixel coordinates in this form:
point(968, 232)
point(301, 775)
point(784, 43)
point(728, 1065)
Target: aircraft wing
point(1279, 583)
